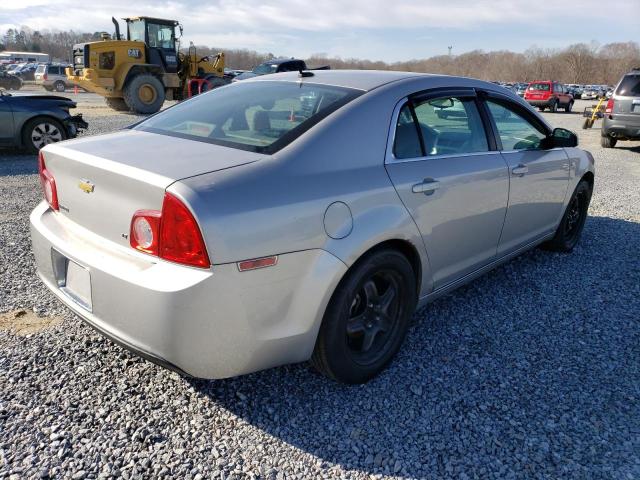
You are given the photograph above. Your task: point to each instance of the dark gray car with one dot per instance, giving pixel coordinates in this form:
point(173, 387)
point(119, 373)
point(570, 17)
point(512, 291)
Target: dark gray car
point(622, 115)
point(34, 121)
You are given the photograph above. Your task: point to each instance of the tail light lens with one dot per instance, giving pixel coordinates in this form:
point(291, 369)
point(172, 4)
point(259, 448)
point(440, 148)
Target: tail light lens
point(145, 231)
point(609, 108)
point(172, 234)
point(44, 77)
point(48, 184)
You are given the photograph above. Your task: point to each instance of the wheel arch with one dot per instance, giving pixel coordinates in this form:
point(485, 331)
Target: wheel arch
point(137, 69)
point(400, 245)
point(20, 131)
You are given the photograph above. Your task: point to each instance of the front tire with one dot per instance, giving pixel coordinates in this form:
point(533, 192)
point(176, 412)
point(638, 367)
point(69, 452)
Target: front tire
point(570, 228)
point(367, 318)
point(39, 132)
point(117, 104)
point(144, 93)
point(568, 107)
point(608, 142)
point(59, 86)
point(554, 107)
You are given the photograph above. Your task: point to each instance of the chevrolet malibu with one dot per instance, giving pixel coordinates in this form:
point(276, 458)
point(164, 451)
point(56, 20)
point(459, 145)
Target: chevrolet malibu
point(301, 216)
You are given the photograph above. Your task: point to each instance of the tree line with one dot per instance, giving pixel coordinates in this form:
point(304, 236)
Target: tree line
point(580, 63)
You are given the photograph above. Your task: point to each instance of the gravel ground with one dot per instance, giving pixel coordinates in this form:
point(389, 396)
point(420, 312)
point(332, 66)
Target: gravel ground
point(531, 371)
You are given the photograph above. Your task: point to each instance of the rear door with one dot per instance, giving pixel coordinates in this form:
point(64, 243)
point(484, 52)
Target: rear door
point(626, 100)
point(452, 181)
point(539, 178)
point(6, 120)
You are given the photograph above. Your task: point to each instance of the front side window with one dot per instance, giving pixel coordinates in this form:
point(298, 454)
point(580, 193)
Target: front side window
point(515, 131)
point(261, 117)
point(446, 126)
point(161, 36)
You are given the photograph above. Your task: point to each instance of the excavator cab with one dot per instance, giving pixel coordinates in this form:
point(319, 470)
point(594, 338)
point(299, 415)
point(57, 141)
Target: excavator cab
point(160, 38)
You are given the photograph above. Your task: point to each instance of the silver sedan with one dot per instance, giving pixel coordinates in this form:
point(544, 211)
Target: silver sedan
point(301, 216)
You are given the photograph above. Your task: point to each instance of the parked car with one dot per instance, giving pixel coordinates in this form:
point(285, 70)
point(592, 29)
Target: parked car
point(521, 88)
point(548, 94)
point(292, 230)
point(52, 77)
point(622, 114)
point(10, 82)
point(26, 71)
point(33, 121)
point(574, 90)
point(277, 65)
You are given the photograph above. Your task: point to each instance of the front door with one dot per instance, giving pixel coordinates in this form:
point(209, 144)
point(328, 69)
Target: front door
point(539, 178)
point(453, 185)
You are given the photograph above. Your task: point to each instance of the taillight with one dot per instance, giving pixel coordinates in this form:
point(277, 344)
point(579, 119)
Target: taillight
point(180, 237)
point(48, 183)
point(172, 234)
point(44, 77)
point(609, 108)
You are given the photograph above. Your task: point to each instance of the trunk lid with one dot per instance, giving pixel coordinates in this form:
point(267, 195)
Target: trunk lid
point(101, 181)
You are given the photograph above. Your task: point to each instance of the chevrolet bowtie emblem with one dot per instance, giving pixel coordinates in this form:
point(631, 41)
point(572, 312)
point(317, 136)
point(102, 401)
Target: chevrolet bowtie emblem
point(86, 186)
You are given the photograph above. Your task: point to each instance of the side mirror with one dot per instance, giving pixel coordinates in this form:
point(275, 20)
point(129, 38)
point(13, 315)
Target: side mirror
point(561, 137)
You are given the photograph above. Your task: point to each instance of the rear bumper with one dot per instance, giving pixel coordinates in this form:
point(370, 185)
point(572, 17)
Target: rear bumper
point(540, 103)
point(621, 128)
point(213, 323)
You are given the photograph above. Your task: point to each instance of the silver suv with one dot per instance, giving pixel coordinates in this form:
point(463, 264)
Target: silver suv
point(52, 77)
point(622, 115)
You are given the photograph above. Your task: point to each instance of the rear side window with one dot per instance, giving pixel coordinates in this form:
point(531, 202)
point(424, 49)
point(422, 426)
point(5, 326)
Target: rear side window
point(629, 86)
point(446, 126)
point(261, 117)
point(540, 87)
point(54, 70)
point(516, 131)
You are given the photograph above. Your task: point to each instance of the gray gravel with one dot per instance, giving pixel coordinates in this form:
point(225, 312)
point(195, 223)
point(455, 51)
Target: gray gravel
point(532, 371)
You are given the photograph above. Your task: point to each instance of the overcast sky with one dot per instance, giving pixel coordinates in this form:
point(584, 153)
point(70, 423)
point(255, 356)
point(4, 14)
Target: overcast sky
point(389, 30)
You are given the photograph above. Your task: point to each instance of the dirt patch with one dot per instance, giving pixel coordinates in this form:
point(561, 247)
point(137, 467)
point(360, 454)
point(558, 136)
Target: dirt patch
point(25, 322)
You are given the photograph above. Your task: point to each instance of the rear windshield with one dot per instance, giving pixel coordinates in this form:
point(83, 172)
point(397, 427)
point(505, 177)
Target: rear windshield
point(545, 87)
point(629, 86)
point(41, 68)
point(260, 117)
point(265, 69)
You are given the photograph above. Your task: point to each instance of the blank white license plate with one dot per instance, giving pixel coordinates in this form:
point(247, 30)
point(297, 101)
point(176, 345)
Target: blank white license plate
point(77, 284)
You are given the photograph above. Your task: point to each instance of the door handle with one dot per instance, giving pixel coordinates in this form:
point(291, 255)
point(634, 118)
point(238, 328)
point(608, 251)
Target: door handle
point(428, 186)
point(520, 170)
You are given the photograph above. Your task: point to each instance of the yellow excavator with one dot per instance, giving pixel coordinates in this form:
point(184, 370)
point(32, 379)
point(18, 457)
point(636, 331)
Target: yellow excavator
point(138, 74)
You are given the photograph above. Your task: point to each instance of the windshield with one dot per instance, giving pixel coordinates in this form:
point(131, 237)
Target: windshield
point(260, 117)
point(160, 36)
point(265, 69)
point(545, 87)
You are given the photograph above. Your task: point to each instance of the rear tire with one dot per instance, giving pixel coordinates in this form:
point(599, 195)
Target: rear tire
point(541, 109)
point(117, 104)
point(608, 142)
point(41, 131)
point(367, 318)
point(144, 93)
point(570, 228)
point(554, 107)
point(214, 82)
